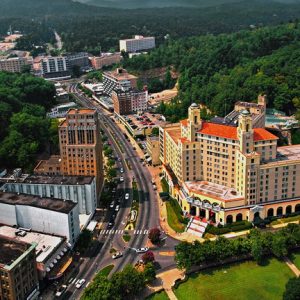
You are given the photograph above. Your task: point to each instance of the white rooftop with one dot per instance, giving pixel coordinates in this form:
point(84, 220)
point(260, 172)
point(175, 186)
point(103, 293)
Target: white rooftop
point(47, 244)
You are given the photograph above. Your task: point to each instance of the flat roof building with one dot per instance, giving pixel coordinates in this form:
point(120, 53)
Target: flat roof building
point(18, 273)
point(15, 64)
point(137, 43)
point(106, 59)
point(47, 215)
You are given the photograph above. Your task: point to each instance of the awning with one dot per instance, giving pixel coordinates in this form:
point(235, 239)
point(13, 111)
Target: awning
point(48, 269)
point(65, 249)
point(51, 265)
point(58, 257)
point(61, 253)
point(92, 225)
point(55, 261)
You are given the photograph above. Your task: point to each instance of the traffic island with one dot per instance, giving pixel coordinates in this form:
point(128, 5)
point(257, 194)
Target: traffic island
point(134, 210)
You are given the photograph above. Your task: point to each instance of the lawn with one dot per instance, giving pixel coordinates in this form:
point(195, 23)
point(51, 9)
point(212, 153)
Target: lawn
point(105, 271)
point(243, 281)
point(158, 296)
point(174, 215)
point(295, 258)
point(286, 220)
point(164, 185)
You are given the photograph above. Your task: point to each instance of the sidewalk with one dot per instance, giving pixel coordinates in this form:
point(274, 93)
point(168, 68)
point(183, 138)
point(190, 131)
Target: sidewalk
point(291, 265)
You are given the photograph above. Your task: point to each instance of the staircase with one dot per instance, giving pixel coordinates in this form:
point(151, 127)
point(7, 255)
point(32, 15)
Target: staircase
point(196, 227)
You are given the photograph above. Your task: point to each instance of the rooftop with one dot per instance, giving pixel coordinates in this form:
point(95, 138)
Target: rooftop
point(287, 153)
point(217, 191)
point(46, 244)
point(230, 132)
point(119, 74)
point(11, 249)
point(36, 201)
point(83, 111)
point(54, 179)
point(54, 160)
point(175, 134)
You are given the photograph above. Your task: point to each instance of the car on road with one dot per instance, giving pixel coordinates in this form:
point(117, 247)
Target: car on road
point(119, 159)
point(121, 179)
point(142, 250)
point(111, 223)
point(112, 204)
point(121, 170)
point(117, 255)
point(80, 283)
point(117, 208)
point(126, 196)
point(60, 291)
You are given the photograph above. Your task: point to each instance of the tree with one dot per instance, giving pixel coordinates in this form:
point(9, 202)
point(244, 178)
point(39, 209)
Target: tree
point(292, 289)
point(76, 72)
point(154, 235)
point(100, 288)
point(148, 257)
point(155, 131)
point(84, 240)
point(257, 250)
point(149, 272)
point(279, 246)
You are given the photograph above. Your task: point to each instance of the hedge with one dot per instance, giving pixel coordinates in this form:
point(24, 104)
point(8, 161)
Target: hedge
point(237, 226)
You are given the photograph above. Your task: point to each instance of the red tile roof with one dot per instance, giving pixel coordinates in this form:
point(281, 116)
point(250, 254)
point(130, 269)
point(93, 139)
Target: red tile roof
point(230, 132)
point(184, 122)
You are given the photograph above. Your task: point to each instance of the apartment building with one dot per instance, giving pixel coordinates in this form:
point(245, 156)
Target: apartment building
point(129, 101)
point(118, 79)
point(80, 59)
point(41, 214)
point(15, 64)
point(55, 67)
point(153, 149)
point(226, 173)
point(78, 189)
point(81, 146)
point(137, 43)
point(106, 59)
point(18, 273)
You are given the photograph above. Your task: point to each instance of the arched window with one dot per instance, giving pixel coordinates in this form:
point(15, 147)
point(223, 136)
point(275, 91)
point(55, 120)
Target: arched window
point(279, 211)
point(288, 210)
point(229, 219)
point(297, 208)
point(270, 212)
point(239, 217)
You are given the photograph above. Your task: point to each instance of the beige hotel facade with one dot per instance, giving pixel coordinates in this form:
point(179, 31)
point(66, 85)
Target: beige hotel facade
point(231, 170)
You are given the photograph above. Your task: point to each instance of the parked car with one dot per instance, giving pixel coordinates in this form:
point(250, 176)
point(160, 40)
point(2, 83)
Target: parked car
point(60, 291)
point(121, 170)
point(126, 196)
point(117, 255)
point(80, 283)
point(121, 179)
point(142, 250)
point(117, 208)
point(112, 204)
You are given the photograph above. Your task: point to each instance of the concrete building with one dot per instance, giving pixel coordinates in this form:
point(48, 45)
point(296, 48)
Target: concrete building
point(18, 273)
point(52, 166)
point(138, 43)
point(51, 252)
point(225, 173)
point(60, 111)
point(55, 67)
point(106, 59)
point(81, 146)
point(46, 215)
point(78, 189)
point(153, 149)
point(80, 59)
point(15, 64)
point(118, 79)
point(129, 101)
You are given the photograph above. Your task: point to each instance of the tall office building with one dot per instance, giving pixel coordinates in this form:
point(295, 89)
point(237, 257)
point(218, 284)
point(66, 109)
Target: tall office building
point(138, 43)
point(18, 272)
point(81, 146)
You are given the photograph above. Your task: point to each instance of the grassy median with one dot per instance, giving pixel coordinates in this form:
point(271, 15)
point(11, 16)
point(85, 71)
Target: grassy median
point(174, 215)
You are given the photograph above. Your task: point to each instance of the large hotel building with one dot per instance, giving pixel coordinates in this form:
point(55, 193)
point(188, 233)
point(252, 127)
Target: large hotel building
point(230, 169)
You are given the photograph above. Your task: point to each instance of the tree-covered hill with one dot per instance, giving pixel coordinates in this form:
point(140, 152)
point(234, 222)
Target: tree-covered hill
point(220, 70)
point(90, 28)
point(24, 128)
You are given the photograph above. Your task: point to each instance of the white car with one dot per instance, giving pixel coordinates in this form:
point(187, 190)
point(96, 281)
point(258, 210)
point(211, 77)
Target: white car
point(117, 255)
point(126, 196)
point(117, 208)
point(80, 283)
point(112, 205)
point(121, 179)
point(122, 170)
point(142, 250)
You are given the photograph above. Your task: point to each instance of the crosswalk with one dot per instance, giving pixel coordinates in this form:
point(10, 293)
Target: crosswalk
point(121, 231)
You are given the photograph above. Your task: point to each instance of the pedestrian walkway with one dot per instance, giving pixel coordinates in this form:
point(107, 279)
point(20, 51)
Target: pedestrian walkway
point(122, 231)
point(291, 265)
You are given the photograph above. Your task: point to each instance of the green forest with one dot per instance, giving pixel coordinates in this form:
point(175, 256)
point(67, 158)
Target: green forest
point(90, 28)
point(219, 70)
point(24, 129)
